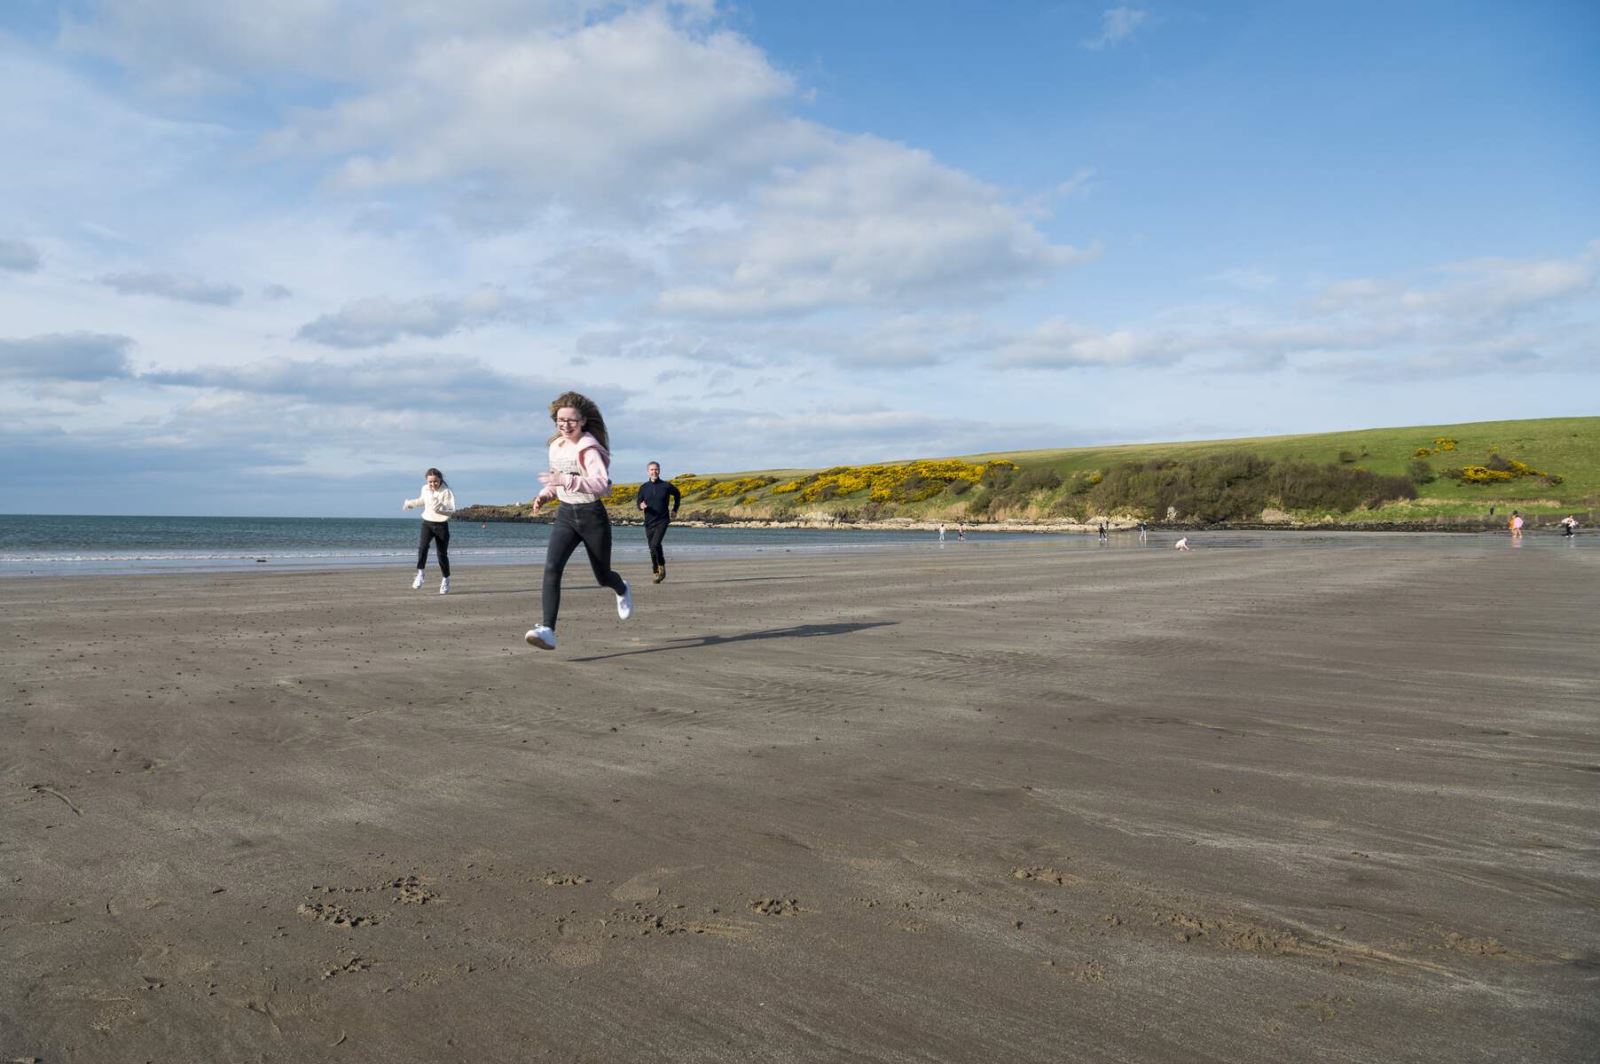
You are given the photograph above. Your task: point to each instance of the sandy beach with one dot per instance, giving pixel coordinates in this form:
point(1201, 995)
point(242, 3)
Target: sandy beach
point(991, 803)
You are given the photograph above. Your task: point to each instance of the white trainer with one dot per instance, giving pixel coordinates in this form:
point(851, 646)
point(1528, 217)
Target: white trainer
point(542, 637)
point(444, 586)
point(625, 602)
point(418, 581)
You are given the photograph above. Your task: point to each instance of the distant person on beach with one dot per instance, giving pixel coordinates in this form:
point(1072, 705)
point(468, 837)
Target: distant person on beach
point(579, 476)
point(941, 532)
point(1516, 525)
point(652, 499)
point(1569, 525)
point(961, 534)
point(438, 502)
point(1144, 532)
point(1182, 544)
point(1104, 535)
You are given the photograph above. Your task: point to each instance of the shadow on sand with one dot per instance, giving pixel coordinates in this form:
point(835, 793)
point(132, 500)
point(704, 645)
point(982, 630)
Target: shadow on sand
point(798, 631)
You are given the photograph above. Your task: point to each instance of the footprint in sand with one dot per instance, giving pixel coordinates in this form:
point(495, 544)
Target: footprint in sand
point(580, 944)
point(643, 887)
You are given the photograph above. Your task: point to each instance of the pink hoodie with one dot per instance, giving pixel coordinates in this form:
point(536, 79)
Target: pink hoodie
point(585, 467)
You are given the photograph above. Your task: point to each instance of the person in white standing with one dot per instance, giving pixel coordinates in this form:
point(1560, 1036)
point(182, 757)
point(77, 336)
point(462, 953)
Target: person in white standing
point(438, 502)
point(579, 476)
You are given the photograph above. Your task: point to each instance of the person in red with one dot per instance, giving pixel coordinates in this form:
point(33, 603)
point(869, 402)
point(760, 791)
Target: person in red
point(579, 476)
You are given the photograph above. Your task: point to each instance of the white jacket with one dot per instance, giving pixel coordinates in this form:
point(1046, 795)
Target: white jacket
point(436, 505)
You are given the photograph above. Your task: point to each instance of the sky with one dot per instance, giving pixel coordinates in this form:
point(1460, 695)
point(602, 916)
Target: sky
point(278, 259)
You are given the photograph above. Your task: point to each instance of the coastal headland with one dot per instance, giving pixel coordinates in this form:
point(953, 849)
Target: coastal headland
point(1466, 477)
point(994, 802)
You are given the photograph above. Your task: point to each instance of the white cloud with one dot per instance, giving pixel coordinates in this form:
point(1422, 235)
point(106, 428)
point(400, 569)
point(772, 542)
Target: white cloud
point(1079, 184)
point(1117, 24)
point(870, 222)
point(88, 151)
point(378, 320)
point(1488, 288)
point(80, 356)
point(173, 286)
point(593, 270)
point(19, 255)
point(1059, 344)
point(391, 382)
point(1246, 278)
point(1466, 322)
point(617, 113)
point(199, 46)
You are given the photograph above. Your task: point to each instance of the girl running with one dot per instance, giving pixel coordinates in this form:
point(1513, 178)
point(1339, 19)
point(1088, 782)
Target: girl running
point(438, 502)
point(578, 477)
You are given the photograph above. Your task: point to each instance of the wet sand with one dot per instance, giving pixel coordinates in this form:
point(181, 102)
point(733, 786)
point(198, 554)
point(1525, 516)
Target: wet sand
point(993, 803)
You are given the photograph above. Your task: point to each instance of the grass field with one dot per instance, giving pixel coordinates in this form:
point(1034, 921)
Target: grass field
point(1569, 447)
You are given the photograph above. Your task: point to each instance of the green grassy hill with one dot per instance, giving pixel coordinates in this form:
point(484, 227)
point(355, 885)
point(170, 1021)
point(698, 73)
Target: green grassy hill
point(1455, 473)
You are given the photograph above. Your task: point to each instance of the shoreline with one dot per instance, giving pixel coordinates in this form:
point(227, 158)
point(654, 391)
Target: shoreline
point(907, 524)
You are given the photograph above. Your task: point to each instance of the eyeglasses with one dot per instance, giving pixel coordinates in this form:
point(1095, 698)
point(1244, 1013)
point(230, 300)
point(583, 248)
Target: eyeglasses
point(569, 421)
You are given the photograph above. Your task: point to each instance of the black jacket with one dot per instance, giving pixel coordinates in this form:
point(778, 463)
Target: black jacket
point(654, 495)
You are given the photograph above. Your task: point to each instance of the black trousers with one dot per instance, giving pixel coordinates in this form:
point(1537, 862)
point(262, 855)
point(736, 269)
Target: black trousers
point(438, 532)
point(586, 523)
point(655, 529)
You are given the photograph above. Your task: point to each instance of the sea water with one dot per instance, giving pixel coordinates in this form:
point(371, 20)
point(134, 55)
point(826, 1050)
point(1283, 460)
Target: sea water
point(45, 545)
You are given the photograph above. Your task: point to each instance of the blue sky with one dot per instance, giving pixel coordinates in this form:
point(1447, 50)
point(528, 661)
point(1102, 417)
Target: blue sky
point(279, 260)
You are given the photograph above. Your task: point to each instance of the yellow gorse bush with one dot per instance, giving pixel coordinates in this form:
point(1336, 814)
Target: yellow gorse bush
point(1440, 445)
point(908, 482)
point(724, 489)
point(1499, 470)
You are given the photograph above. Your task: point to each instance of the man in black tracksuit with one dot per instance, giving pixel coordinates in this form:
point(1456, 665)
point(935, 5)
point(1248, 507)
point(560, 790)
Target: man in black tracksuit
point(652, 499)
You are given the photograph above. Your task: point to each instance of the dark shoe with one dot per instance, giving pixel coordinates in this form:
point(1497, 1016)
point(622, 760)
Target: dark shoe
point(661, 574)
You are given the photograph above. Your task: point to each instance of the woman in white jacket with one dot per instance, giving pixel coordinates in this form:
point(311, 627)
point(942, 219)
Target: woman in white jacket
point(438, 503)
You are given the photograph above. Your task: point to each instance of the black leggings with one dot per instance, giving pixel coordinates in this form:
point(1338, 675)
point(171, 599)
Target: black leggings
point(439, 532)
point(653, 533)
point(587, 522)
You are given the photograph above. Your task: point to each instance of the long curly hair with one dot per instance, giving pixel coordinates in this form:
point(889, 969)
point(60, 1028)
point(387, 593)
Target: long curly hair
point(593, 422)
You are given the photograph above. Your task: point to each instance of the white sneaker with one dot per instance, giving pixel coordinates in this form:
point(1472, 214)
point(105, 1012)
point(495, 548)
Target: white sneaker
point(625, 602)
point(418, 581)
point(444, 586)
point(542, 637)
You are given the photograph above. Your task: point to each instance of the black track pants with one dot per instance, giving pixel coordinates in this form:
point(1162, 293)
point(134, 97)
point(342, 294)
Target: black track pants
point(438, 532)
point(589, 524)
point(654, 532)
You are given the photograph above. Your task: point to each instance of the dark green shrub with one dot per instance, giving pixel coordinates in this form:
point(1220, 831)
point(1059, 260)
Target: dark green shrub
point(998, 476)
point(1238, 486)
point(1037, 480)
